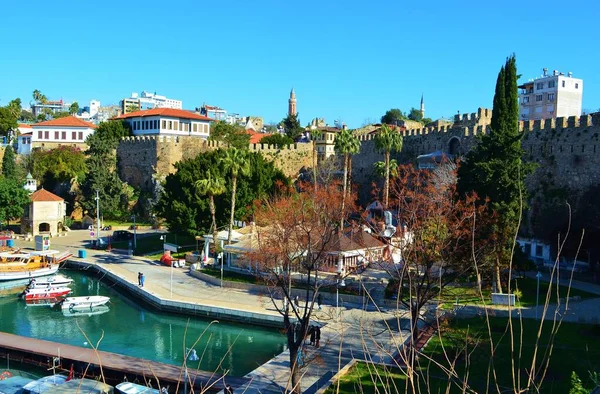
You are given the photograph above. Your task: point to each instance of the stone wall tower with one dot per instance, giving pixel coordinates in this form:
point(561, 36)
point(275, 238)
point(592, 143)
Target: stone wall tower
point(292, 103)
point(422, 106)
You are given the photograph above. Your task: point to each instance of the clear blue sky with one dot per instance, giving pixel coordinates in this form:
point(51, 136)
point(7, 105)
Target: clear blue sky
point(349, 60)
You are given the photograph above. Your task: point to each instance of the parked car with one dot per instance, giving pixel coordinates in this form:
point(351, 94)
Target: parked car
point(122, 235)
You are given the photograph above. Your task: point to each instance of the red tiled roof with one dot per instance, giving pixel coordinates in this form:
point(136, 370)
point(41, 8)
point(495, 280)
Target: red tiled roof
point(69, 121)
point(44, 195)
point(26, 133)
point(256, 137)
point(170, 112)
point(24, 126)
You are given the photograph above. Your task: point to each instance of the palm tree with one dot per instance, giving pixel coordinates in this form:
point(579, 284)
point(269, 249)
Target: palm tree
point(212, 185)
point(387, 140)
point(315, 135)
point(380, 168)
point(235, 161)
point(37, 95)
point(346, 144)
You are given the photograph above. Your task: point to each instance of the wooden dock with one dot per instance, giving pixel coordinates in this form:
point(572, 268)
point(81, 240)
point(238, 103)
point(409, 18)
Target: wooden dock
point(115, 367)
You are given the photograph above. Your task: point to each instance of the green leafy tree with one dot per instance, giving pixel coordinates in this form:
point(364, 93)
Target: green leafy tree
point(38, 97)
point(347, 145)
point(185, 211)
point(57, 115)
point(392, 116)
point(577, 385)
point(291, 125)
point(15, 107)
point(212, 185)
point(415, 114)
point(277, 139)
point(235, 162)
point(232, 135)
point(26, 116)
point(380, 168)
point(8, 121)
point(386, 141)
point(74, 108)
point(9, 166)
point(427, 121)
point(494, 169)
point(106, 137)
point(13, 199)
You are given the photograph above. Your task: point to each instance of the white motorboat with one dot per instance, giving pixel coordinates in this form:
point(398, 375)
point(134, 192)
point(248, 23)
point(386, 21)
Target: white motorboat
point(25, 273)
point(84, 302)
point(94, 310)
point(133, 388)
point(55, 280)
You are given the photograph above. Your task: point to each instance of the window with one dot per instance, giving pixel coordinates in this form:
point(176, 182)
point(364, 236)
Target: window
point(539, 97)
point(563, 84)
point(40, 134)
point(540, 85)
point(525, 100)
point(576, 86)
point(156, 124)
point(164, 124)
point(73, 135)
point(170, 125)
point(551, 84)
point(539, 250)
point(46, 135)
point(550, 96)
point(81, 135)
point(195, 127)
point(63, 135)
point(56, 135)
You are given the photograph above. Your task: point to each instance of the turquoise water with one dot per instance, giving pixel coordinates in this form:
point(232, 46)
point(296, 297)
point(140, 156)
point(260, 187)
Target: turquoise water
point(135, 331)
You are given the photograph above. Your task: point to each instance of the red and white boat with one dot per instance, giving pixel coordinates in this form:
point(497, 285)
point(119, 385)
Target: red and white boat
point(45, 293)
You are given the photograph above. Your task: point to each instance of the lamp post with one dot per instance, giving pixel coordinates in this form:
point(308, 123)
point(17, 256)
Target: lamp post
point(537, 298)
point(164, 239)
point(338, 283)
point(98, 217)
point(134, 232)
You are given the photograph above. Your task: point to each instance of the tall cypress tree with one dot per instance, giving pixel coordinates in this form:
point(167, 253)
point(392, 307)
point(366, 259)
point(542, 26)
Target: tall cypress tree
point(496, 171)
point(9, 167)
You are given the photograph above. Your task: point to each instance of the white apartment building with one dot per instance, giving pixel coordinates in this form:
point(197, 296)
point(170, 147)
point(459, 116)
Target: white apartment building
point(167, 121)
point(550, 96)
point(147, 100)
point(54, 133)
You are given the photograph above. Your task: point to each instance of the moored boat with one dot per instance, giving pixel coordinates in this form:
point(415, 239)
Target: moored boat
point(44, 302)
point(46, 293)
point(133, 388)
point(55, 280)
point(94, 310)
point(19, 265)
point(84, 302)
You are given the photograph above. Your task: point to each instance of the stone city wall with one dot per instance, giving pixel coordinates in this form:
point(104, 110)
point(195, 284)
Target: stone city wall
point(567, 150)
point(143, 159)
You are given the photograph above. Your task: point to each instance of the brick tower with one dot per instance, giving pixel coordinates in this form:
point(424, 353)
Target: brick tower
point(292, 103)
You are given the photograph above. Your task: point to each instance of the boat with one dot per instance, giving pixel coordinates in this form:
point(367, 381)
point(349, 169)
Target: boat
point(133, 388)
point(62, 384)
point(12, 382)
point(44, 302)
point(54, 280)
point(94, 310)
point(19, 265)
point(46, 293)
point(84, 302)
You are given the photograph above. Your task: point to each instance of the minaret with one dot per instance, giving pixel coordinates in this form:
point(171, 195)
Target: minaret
point(292, 103)
point(422, 107)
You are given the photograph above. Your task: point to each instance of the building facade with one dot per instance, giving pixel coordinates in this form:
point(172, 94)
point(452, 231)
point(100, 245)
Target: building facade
point(44, 215)
point(213, 112)
point(167, 121)
point(147, 100)
point(54, 133)
point(50, 106)
point(550, 96)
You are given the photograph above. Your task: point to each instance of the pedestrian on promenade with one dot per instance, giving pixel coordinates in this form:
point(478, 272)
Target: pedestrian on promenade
point(142, 279)
point(297, 301)
point(285, 303)
point(317, 336)
point(312, 331)
point(319, 300)
point(139, 278)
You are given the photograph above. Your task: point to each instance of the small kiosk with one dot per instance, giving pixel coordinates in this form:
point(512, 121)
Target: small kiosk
point(42, 242)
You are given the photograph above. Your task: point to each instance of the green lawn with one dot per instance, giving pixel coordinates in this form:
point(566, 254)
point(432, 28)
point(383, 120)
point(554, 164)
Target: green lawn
point(528, 286)
point(576, 348)
point(152, 243)
point(231, 276)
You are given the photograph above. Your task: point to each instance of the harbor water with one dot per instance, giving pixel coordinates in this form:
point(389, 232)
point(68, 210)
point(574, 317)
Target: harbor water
point(126, 327)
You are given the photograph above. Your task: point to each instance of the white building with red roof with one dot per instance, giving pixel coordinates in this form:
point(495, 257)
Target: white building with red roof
point(24, 139)
point(54, 133)
point(168, 121)
point(44, 215)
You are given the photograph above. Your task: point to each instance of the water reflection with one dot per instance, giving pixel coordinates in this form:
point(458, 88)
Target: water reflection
point(132, 330)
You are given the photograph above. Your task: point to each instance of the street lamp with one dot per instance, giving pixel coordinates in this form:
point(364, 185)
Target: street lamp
point(164, 239)
point(338, 283)
point(537, 298)
point(134, 232)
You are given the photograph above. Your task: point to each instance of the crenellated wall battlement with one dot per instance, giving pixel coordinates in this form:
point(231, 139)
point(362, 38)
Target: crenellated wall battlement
point(142, 159)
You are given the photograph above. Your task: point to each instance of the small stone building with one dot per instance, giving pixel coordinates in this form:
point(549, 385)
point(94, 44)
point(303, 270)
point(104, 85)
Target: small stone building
point(44, 215)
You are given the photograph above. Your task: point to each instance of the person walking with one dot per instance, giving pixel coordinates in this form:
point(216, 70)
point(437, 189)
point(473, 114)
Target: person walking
point(312, 332)
point(139, 278)
point(142, 279)
point(317, 336)
point(297, 301)
point(319, 301)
